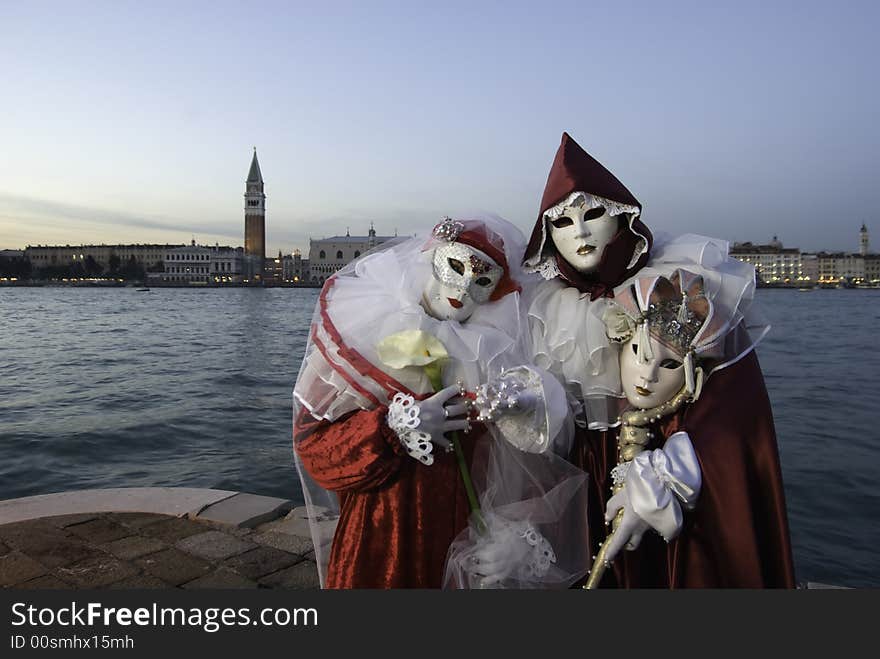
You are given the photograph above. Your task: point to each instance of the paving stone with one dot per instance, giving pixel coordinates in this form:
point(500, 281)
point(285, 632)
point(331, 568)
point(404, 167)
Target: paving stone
point(46, 582)
point(45, 543)
point(302, 576)
point(173, 566)
point(4, 549)
point(96, 572)
point(63, 521)
point(237, 531)
point(99, 530)
point(293, 544)
point(214, 545)
point(140, 582)
point(246, 510)
point(15, 568)
point(138, 520)
point(221, 578)
point(31, 535)
point(173, 529)
point(261, 561)
point(134, 546)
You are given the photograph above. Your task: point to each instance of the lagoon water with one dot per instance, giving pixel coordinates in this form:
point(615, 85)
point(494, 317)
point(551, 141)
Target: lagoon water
point(177, 387)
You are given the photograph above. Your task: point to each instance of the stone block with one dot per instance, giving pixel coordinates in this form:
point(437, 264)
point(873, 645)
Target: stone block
point(302, 576)
point(214, 545)
point(4, 549)
point(134, 546)
point(16, 568)
point(98, 531)
point(172, 529)
point(138, 520)
point(293, 544)
point(63, 521)
point(245, 510)
point(220, 578)
point(97, 571)
point(173, 566)
point(46, 582)
point(45, 543)
point(140, 582)
point(261, 561)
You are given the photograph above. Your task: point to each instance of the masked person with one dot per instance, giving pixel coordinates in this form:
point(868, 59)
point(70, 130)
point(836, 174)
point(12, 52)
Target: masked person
point(587, 242)
point(400, 342)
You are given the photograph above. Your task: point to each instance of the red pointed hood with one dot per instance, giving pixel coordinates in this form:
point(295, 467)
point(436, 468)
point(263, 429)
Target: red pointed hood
point(574, 170)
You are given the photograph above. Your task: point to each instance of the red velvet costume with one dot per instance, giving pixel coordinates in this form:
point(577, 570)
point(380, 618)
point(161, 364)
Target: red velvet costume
point(398, 517)
point(738, 534)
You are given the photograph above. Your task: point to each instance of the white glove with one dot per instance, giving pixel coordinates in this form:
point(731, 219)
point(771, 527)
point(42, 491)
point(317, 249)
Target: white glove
point(656, 481)
point(419, 425)
point(513, 549)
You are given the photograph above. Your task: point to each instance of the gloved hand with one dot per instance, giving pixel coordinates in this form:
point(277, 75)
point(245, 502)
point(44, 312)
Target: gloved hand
point(657, 484)
point(442, 413)
point(510, 549)
point(420, 425)
point(631, 529)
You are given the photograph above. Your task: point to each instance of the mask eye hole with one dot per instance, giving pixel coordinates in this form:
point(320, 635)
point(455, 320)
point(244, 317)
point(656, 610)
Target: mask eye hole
point(483, 281)
point(635, 347)
point(670, 363)
point(594, 213)
point(562, 222)
point(456, 265)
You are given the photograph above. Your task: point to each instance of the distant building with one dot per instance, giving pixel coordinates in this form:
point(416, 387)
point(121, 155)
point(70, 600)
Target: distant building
point(148, 256)
point(329, 255)
point(295, 269)
point(774, 264)
point(254, 223)
point(864, 242)
point(872, 269)
point(201, 265)
point(838, 267)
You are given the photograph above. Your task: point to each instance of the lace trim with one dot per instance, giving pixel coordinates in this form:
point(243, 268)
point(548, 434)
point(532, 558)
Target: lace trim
point(545, 265)
point(590, 201)
point(618, 474)
point(542, 554)
point(403, 419)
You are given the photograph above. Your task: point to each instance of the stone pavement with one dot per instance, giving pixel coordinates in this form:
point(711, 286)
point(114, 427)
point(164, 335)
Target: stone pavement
point(148, 550)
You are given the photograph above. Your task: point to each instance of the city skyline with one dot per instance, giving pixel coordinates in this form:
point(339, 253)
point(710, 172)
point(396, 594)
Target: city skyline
point(128, 124)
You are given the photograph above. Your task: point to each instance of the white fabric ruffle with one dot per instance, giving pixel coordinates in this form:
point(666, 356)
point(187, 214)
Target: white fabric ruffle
point(659, 482)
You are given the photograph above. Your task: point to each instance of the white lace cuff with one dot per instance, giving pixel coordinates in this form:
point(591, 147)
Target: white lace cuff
point(403, 419)
point(656, 481)
point(540, 553)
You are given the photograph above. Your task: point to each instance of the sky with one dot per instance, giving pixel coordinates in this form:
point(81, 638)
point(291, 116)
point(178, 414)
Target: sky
point(136, 121)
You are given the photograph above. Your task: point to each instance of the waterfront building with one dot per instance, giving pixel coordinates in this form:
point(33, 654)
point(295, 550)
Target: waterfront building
point(838, 267)
point(254, 223)
point(329, 255)
point(294, 268)
point(201, 265)
point(774, 264)
point(809, 267)
point(872, 269)
point(149, 256)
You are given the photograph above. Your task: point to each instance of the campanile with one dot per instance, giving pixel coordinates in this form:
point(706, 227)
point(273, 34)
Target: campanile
point(254, 223)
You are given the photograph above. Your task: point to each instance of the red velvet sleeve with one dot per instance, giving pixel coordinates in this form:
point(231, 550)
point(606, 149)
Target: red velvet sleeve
point(355, 453)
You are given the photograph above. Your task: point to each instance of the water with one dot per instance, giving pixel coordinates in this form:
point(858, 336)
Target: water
point(177, 387)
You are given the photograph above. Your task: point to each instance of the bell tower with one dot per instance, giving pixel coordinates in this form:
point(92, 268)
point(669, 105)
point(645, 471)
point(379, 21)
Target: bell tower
point(254, 223)
point(864, 243)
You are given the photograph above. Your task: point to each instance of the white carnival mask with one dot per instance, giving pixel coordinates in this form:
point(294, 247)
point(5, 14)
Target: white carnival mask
point(649, 381)
point(581, 231)
point(464, 277)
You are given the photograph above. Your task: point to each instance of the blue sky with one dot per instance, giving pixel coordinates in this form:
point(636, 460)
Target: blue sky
point(135, 121)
